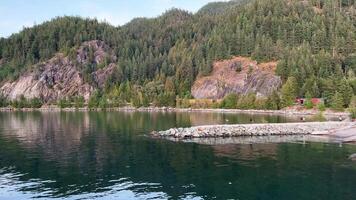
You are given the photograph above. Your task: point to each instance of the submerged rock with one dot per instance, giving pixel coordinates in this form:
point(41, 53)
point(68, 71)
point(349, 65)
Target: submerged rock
point(353, 157)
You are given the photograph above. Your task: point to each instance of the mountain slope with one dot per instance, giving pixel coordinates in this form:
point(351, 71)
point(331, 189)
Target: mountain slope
point(313, 42)
point(63, 76)
point(215, 8)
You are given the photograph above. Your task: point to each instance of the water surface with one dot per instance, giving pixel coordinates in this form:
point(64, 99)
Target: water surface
point(108, 155)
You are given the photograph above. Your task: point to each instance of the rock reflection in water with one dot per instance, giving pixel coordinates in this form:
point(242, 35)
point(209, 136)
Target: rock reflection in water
point(246, 140)
point(108, 155)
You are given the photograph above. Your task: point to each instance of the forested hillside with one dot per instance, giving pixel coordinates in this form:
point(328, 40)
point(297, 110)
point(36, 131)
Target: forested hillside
point(159, 59)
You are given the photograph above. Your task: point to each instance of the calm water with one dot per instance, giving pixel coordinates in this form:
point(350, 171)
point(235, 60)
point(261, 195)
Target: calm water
point(108, 155)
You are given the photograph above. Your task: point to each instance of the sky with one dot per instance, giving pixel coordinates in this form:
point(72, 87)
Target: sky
point(16, 14)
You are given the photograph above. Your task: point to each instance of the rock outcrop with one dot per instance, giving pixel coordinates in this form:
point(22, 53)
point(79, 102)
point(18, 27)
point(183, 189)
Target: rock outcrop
point(238, 75)
point(62, 76)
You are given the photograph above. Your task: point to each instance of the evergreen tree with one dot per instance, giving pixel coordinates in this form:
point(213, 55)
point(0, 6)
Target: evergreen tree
point(273, 101)
point(94, 100)
point(308, 101)
point(337, 102)
point(346, 92)
point(314, 46)
point(289, 92)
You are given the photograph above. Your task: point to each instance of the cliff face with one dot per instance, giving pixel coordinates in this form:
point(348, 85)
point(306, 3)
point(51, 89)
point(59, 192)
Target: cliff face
point(62, 77)
point(238, 75)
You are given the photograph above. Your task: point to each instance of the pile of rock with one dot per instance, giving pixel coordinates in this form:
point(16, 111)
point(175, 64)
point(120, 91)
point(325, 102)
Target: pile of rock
point(252, 130)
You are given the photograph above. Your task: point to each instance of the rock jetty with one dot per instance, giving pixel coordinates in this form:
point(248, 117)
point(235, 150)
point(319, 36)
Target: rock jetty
point(253, 130)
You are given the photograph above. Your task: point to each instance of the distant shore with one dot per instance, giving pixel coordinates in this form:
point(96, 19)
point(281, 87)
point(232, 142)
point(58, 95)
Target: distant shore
point(287, 112)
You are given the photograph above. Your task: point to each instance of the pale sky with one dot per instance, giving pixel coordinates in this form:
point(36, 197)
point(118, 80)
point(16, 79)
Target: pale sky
point(16, 14)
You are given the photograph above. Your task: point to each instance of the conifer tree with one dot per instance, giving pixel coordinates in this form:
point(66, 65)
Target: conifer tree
point(337, 102)
point(289, 92)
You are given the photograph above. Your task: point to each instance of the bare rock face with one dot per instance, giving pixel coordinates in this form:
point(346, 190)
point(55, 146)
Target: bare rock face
point(101, 75)
point(239, 75)
point(61, 77)
point(99, 50)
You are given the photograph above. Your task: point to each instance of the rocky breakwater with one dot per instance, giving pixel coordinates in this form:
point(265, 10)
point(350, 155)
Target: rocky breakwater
point(253, 130)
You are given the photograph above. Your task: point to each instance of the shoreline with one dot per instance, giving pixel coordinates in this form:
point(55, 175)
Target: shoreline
point(300, 113)
point(261, 130)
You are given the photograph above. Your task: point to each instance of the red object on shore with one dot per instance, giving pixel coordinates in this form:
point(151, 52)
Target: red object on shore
point(315, 101)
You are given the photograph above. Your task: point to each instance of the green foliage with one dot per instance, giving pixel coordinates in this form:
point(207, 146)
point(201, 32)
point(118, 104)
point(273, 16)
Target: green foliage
point(183, 103)
point(353, 102)
point(353, 113)
point(230, 101)
point(321, 107)
point(36, 103)
point(136, 99)
point(352, 107)
point(308, 104)
point(3, 101)
point(64, 103)
point(145, 101)
point(22, 102)
point(103, 103)
point(273, 102)
point(79, 102)
point(337, 102)
point(94, 100)
point(247, 102)
point(166, 99)
point(260, 104)
point(316, 50)
point(289, 92)
point(346, 92)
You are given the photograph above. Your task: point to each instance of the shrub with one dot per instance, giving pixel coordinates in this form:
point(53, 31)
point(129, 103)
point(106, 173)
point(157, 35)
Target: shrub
point(353, 113)
point(94, 100)
point(79, 102)
point(353, 102)
point(230, 101)
point(273, 101)
point(103, 104)
point(3, 101)
point(36, 103)
point(308, 102)
point(321, 107)
point(63, 103)
point(260, 104)
point(247, 102)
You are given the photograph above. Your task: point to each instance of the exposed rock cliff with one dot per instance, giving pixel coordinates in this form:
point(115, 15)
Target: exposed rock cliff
point(62, 76)
point(237, 75)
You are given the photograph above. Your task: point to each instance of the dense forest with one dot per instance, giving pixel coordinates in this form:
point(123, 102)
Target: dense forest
point(313, 41)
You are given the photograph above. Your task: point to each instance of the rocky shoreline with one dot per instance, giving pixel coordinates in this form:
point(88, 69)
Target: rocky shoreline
point(170, 109)
point(217, 131)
